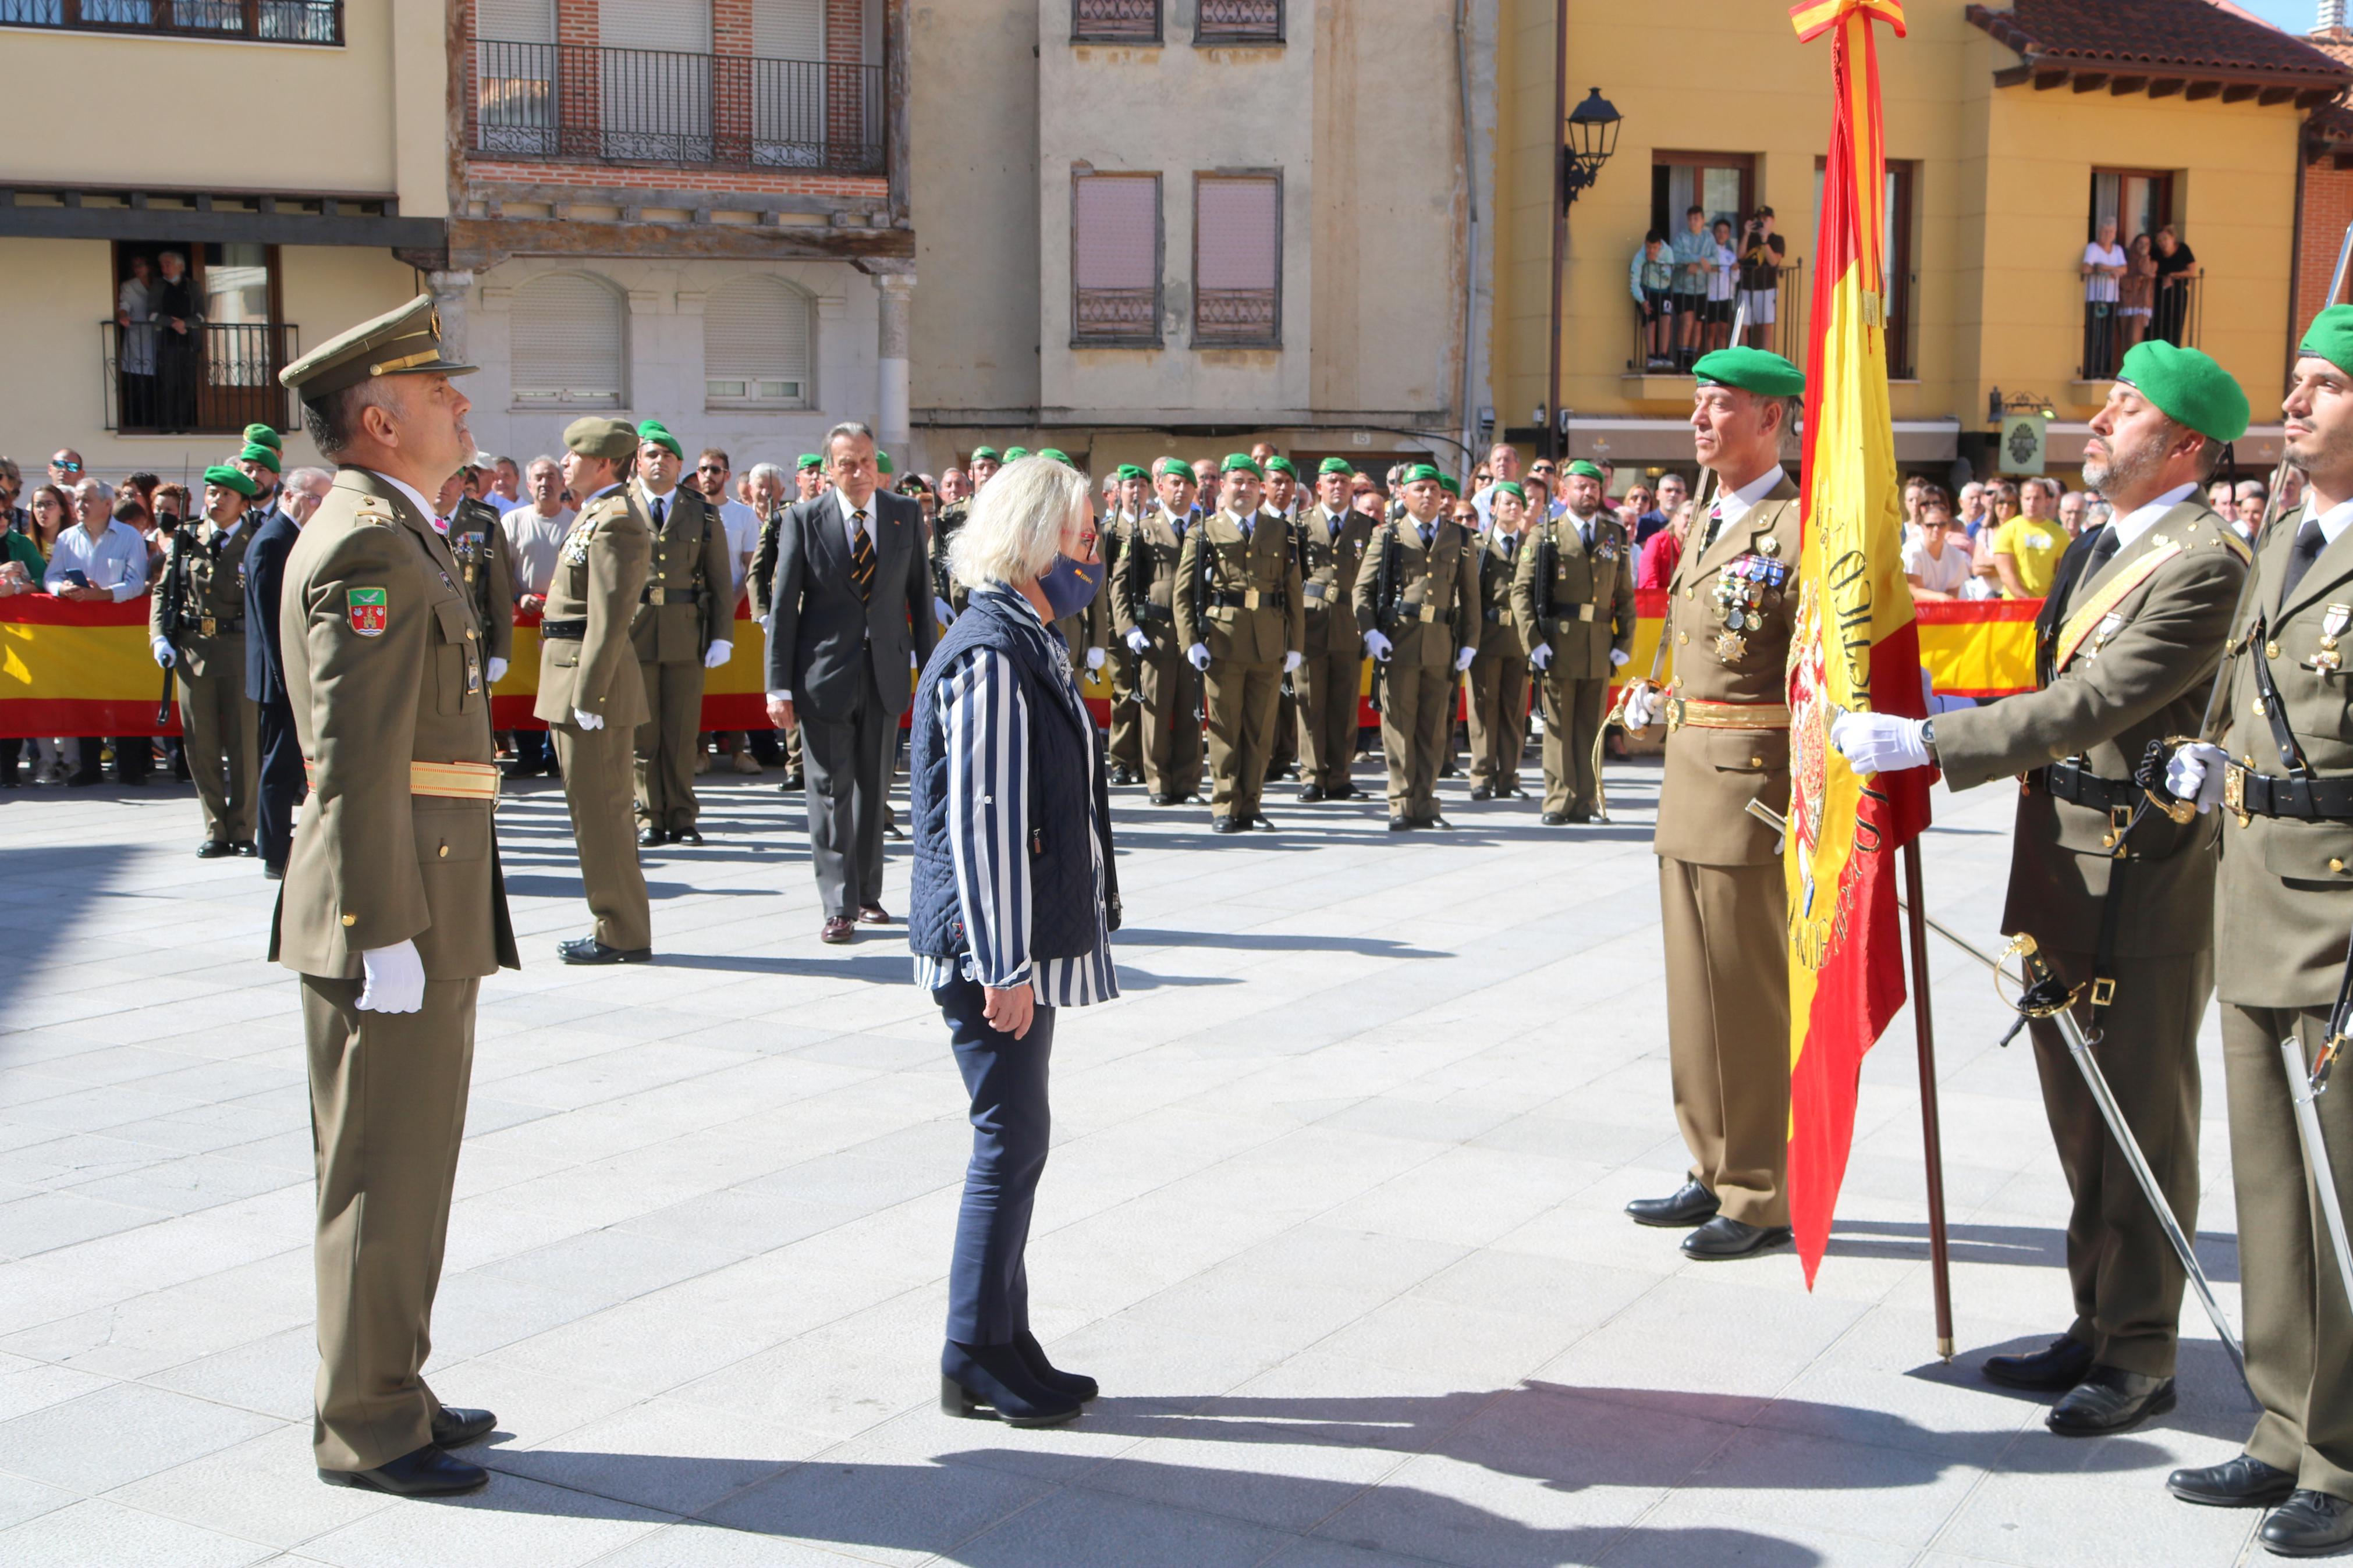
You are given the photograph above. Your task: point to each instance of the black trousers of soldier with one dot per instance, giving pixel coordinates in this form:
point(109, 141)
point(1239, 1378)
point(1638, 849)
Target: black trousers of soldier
point(282, 783)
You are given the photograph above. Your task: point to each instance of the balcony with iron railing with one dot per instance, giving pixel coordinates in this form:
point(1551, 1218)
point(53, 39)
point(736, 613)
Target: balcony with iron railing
point(578, 103)
point(2164, 308)
point(212, 381)
point(1663, 352)
point(259, 21)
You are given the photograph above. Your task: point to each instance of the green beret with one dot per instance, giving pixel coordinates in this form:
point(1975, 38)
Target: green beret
point(593, 436)
point(654, 431)
point(1336, 465)
point(266, 457)
point(1585, 471)
point(1760, 370)
point(2188, 386)
point(2330, 337)
point(1058, 456)
point(808, 460)
point(883, 463)
point(991, 453)
point(1421, 471)
point(1279, 464)
point(1176, 465)
point(230, 479)
point(1511, 487)
point(1449, 484)
point(1014, 454)
point(263, 436)
point(1129, 471)
point(1241, 462)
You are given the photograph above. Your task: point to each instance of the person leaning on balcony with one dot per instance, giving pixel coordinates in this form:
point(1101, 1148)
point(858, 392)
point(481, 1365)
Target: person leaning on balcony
point(2101, 265)
point(2136, 290)
point(178, 319)
point(1761, 254)
point(2027, 548)
point(1693, 252)
point(2177, 270)
point(1650, 278)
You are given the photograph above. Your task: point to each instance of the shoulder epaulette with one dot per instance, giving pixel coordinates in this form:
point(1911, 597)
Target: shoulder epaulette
point(375, 509)
point(2228, 538)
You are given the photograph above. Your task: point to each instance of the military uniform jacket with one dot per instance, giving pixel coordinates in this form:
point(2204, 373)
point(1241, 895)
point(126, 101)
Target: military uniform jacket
point(1436, 608)
point(945, 527)
point(1503, 631)
point(383, 667)
point(1239, 592)
point(761, 576)
point(1143, 589)
point(1711, 773)
point(1328, 563)
point(1586, 607)
point(600, 578)
point(485, 570)
point(199, 599)
point(2284, 914)
point(686, 605)
point(2159, 612)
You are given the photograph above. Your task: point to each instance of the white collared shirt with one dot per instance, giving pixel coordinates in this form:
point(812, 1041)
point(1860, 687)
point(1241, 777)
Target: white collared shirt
point(2141, 518)
point(848, 515)
point(2335, 520)
point(1733, 505)
point(415, 497)
point(667, 500)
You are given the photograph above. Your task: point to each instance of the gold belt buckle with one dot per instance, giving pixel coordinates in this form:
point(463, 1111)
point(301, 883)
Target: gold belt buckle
point(1428, 614)
point(2104, 993)
point(2119, 818)
point(207, 625)
point(656, 595)
point(1249, 598)
point(1675, 719)
point(2234, 792)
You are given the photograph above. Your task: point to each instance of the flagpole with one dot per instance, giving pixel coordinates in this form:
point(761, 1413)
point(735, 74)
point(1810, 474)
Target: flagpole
point(1940, 1261)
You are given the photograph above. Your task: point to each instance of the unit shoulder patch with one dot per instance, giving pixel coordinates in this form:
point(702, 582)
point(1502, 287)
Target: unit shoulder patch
point(370, 610)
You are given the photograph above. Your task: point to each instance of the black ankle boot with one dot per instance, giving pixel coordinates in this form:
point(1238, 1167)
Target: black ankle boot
point(976, 1378)
point(1033, 1357)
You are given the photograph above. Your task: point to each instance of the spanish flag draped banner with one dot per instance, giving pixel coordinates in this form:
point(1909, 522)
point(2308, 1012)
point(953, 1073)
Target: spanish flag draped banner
point(1857, 647)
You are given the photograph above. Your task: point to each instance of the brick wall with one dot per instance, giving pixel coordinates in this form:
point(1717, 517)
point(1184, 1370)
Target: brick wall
point(2328, 209)
point(867, 192)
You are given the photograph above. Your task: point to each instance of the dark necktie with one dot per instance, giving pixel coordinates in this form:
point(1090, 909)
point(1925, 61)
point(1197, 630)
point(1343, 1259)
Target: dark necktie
point(2309, 543)
point(659, 511)
point(2104, 550)
point(1429, 535)
point(861, 557)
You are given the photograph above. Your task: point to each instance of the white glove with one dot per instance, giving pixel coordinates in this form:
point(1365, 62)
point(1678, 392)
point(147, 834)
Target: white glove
point(1094, 659)
point(719, 653)
point(1199, 654)
point(392, 979)
point(1293, 660)
point(498, 669)
point(1377, 645)
point(1462, 660)
point(1879, 742)
point(1642, 706)
point(940, 612)
point(1541, 656)
point(588, 721)
point(1620, 658)
point(1136, 641)
point(2196, 773)
point(164, 658)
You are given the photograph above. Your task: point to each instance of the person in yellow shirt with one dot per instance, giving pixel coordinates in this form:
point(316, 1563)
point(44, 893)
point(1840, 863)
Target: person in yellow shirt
point(2027, 548)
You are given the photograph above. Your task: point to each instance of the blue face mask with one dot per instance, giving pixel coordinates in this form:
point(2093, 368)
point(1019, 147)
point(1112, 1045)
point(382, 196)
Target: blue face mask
point(1069, 586)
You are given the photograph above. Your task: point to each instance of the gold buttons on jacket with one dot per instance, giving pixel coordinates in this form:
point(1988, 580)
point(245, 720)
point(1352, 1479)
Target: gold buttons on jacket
point(350, 919)
point(2271, 650)
point(1683, 638)
point(445, 852)
point(2335, 865)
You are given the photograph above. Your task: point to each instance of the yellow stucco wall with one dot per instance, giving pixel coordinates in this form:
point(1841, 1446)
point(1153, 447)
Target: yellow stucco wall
point(2001, 194)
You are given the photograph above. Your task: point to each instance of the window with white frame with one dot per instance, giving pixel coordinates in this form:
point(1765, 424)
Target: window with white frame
point(568, 335)
point(755, 346)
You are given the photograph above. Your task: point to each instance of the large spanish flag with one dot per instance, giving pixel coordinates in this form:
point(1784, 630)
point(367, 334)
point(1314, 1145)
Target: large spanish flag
point(1857, 647)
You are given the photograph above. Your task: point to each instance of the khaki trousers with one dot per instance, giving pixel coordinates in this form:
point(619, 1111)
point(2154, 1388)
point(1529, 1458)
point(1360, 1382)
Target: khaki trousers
point(1499, 719)
point(220, 732)
point(1126, 746)
point(1240, 700)
point(387, 1113)
point(666, 745)
point(1170, 690)
point(2125, 1280)
point(1417, 720)
point(1728, 1031)
point(1573, 711)
point(2299, 1333)
point(595, 764)
point(1328, 687)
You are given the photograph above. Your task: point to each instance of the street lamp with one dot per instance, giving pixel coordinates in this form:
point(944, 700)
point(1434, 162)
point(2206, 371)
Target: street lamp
point(1588, 138)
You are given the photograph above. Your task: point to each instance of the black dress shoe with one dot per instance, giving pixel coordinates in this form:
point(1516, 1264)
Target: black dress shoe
point(454, 1428)
point(2109, 1399)
point(2058, 1365)
point(1725, 1237)
point(686, 835)
point(427, 1472)
point(792, 786)
point(1434, 820)
point(2309, 1524)
point(1263, 823)
point(1163, 798)
point(1481, 792)
point(2243, 1482)
point(1229, 825)
point(1075, 1385)
point(245, 848)
point(1556, 819)
point(651, 838)
point(588, 950)
point(272, 873)
point(1687, 1206)
point(993, 1378)
point(1399, 824)
point(1580, 819)
point(1311, 795)
point(214, 849)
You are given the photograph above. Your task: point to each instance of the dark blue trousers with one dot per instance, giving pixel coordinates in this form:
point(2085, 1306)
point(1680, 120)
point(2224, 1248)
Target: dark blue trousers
point(283, 785)
point(989, 1283)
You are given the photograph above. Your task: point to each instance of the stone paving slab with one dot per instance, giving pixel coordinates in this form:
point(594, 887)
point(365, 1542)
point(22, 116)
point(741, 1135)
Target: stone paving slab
point(1333, 1213)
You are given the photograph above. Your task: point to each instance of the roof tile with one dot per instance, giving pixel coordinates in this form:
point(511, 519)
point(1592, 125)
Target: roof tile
point(2180, 35)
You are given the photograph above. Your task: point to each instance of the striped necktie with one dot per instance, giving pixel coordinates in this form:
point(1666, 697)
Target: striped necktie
point(861, 557)
point(1715, 521)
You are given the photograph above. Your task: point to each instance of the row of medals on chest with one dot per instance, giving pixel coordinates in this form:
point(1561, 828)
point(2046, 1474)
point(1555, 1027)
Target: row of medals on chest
point(1739, 594)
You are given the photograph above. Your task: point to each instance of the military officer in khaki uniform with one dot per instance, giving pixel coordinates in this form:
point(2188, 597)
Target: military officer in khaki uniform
point(486, 567)
point(684, 626)
point(1330, 678)
point(196, 621)
point(1281, 502)
point(591, 691)
point(1417, 604)
point(1721, 905)
point(1143, 614)
point(1497, 681)
point(2127, 648)
point(392, 907)
point(2285, 904)
point(1125, 750)
point(1239, 621)
point(1575, 591)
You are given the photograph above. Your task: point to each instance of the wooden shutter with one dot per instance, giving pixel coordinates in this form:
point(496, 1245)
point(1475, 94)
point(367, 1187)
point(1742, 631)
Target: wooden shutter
point(1115, 257)
point(755, 346)
point(788, 29)
point(678, 26)
point(515, 21)
point(1238, 258)
point(566, 343)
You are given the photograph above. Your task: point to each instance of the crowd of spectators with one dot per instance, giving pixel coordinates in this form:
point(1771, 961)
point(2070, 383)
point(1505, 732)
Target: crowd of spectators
point(2133, 291)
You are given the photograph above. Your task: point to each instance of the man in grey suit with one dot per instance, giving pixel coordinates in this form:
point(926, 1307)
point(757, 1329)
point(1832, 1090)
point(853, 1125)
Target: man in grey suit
point(849, 615)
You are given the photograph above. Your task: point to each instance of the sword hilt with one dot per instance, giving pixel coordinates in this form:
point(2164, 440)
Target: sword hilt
point(2323, 1061)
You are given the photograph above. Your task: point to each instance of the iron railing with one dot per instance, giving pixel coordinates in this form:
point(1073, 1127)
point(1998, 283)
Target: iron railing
point(1785, 334)
point(263, 21)
point(2170, 312)
point(1114, 21)
point(212, 381)
point(1239, 22)
point(1237, 317)
point(1117, 317)
point(650, 106)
